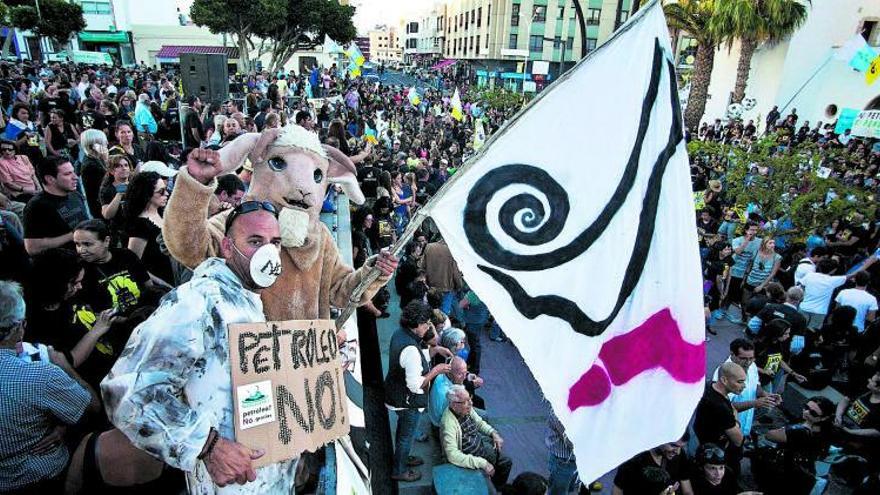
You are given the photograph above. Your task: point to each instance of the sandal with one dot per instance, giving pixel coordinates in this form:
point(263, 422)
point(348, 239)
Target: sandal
point(415, 460)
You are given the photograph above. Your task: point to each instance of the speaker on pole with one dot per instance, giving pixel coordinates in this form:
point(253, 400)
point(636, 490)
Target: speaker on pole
point(205, 75)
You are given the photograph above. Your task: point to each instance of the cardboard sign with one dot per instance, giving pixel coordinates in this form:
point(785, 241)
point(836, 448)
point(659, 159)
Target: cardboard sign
point(288, 387)
point(867, 124)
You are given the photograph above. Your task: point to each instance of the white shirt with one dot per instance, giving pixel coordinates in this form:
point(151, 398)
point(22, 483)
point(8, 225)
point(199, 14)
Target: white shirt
point(804, 267)
point(749, 393)
point(861, 301)
point(818, 288)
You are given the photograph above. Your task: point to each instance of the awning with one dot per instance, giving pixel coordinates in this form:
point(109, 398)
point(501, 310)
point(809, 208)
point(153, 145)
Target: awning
point(97, 37)
point(174, 51)
point(444, 64)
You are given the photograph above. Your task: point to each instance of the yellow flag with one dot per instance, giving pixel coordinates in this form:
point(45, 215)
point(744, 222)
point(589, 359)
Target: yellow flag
point(456, 106)
point(873, 71)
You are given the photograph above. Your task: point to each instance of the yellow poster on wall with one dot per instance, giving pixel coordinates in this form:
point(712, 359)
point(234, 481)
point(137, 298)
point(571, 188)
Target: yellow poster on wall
point(873, 71)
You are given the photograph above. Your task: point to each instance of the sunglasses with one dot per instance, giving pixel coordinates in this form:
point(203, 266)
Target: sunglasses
point(713, 456)
point(249, 207)
point(7, 149)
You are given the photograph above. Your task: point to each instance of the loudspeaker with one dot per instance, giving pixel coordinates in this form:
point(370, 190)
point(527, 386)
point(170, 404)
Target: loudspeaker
point(205, 75)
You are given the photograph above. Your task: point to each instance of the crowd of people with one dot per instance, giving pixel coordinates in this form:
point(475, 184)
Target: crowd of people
point(88, 160)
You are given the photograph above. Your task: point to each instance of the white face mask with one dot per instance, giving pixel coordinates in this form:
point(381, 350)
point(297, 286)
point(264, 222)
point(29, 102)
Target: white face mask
point(264, 266)
point(294, 227)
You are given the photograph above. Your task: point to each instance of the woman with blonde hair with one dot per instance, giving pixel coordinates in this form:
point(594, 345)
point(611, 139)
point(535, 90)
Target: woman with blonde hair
point(93, 143)
point(217, 131)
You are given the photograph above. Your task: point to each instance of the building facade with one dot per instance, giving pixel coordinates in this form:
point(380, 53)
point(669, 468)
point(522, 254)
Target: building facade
point(503, 38)
point(384, 47)
point(801, 72)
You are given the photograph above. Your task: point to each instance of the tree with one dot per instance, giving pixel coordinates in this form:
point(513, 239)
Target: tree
point(242, 19)
point(824, 200)
point(696, 18)
point(304, 25)
point(754, 22)
point(4, 18)
point(56, 19)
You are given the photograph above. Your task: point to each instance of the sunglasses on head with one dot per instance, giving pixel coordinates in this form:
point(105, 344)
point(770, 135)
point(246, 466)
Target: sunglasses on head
point(249, 207)
point(713, 455)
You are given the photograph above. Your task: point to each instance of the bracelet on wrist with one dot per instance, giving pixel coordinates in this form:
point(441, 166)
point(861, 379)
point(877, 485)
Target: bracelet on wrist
point(212, 441)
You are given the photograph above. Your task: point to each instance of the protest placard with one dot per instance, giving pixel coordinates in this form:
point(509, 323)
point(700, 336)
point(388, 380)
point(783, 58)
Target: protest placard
point(288, 387)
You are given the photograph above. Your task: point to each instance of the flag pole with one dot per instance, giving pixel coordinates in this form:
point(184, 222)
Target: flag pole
point(424, 212)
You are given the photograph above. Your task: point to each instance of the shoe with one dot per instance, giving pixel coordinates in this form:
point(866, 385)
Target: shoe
point(409, 476)
point(414, 460)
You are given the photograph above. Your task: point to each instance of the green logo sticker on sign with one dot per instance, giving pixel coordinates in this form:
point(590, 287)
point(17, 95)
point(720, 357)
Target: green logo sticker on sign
point(256, 405)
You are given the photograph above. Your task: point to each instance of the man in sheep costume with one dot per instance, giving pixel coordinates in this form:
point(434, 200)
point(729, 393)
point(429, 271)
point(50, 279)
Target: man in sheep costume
point(292, 170)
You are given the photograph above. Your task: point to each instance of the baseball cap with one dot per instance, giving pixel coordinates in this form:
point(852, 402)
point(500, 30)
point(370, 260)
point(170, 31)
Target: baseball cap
point(158, 167)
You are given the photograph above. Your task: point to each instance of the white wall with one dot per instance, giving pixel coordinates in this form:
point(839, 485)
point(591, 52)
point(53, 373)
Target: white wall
point(779, 71)
point(145, 12)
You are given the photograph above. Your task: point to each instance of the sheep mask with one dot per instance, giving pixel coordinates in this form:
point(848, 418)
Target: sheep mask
point(292, 171)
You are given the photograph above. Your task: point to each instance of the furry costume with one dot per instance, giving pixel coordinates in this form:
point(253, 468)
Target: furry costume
point(314, 277)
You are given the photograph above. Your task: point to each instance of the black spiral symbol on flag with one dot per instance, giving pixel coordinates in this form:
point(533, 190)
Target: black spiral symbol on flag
point(538, 215)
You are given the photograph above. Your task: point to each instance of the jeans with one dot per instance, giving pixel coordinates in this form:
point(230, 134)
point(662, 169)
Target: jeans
point(495, 331)
point(563, 476)
point(449, 305)
point(407, 423)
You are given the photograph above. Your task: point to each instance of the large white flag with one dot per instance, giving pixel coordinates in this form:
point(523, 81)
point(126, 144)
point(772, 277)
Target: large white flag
point(575, 224)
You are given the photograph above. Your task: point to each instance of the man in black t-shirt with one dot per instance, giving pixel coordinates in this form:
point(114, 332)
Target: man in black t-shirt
point(91, 118)
point(715, 419)
point(51, 215)
point(195, 133)
point(786, 311)
point(668, 457)
point(368, 178)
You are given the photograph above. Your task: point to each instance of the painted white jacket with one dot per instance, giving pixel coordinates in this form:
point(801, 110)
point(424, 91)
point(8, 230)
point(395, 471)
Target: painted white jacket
point(172, 382)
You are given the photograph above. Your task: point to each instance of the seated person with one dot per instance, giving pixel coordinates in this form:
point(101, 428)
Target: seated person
point(802, 444)
point(40, 398)
point(439, 401)
point(711, 476)
point(55, 319)
point(668, 457)
point(470, 442)
point(115, 278)
point(860, 419)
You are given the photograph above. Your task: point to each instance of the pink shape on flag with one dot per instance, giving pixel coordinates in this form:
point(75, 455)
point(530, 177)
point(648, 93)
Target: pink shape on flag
point(656, 343)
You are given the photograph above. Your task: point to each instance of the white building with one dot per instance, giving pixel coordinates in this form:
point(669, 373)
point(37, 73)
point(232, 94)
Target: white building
point(802, 72)
point(424, 35)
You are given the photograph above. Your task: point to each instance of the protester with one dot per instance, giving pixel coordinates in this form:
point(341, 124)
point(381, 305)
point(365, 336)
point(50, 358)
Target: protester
point(51, 215)
point(40, 400)
point(753, 396)
point(188, 409)
point(469, 441)
point(144, 199)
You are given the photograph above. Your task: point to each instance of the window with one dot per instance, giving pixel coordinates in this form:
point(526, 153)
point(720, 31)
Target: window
point(569, 43)
point(514, 15)
point(487, 41)
point(473, 16)
point(488, 15)
point(561, 15)
point(471, 42)
point(593, 17)
point(870, 32)
point(539, 13)
point(624, 15)
point(513, 41)
point(479, 16)
point(536, 43)
point(96, 7)
point(478, 44)
point(591, 44)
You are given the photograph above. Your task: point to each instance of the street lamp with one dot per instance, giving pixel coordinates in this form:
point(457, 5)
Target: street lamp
point(557, 41)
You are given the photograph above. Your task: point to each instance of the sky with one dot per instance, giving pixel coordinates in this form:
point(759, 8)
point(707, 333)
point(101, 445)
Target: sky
point(369, 13)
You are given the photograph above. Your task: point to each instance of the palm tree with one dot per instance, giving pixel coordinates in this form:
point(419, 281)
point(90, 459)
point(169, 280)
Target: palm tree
point(754, 22)
point(696, 18)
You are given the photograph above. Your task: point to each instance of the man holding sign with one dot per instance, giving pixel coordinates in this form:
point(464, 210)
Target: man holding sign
point(170, 392)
